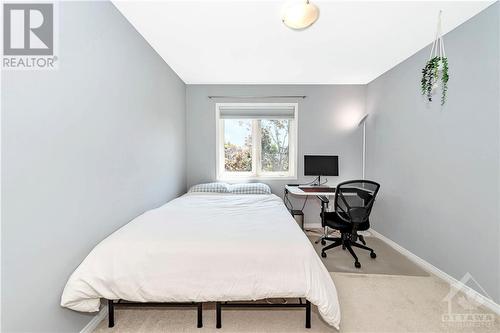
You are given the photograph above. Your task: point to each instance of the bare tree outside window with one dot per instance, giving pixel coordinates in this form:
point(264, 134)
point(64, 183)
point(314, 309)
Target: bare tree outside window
point(274, 145)
point(238, 145)
point(256, 141)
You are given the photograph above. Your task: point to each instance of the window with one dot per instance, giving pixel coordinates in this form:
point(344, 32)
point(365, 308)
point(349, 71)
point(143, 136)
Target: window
point(256, 140)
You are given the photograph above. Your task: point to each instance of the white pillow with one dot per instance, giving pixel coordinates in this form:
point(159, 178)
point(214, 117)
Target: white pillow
point(250, 188)
point(210, 187)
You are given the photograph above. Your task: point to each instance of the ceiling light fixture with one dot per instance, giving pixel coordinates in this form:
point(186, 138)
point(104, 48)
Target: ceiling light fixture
point(300, 15)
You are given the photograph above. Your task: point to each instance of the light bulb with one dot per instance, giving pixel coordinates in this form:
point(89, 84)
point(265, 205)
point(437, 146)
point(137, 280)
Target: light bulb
point(301, 15)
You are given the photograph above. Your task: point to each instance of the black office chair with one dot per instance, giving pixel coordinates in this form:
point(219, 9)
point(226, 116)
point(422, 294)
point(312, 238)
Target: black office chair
point(353, 204)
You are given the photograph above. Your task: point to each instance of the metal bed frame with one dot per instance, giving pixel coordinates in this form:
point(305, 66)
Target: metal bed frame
point(199, 306)
point(125, 304)
point(220, 305)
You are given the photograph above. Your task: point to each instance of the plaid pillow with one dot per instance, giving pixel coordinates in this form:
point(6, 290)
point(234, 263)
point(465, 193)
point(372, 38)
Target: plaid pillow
point(210, 187)
point(250, 188)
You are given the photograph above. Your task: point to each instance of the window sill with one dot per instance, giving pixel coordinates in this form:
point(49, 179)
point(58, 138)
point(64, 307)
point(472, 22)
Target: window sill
point(251, 178)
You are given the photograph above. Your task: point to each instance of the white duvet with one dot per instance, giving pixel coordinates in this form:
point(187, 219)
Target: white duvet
point(201, 248)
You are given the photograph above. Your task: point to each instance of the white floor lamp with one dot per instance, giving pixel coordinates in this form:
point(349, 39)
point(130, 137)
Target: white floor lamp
point(362, 123)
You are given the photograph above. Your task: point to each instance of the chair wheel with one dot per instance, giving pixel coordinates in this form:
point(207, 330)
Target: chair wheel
point(323, 242)
point(323, 254)
point(373, 255)
point(357, 264)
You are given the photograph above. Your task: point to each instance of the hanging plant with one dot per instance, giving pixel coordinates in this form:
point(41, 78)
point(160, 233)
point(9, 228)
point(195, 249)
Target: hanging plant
point(435, 72)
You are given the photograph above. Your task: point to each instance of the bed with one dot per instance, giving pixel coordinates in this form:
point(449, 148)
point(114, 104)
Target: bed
point(205, 247)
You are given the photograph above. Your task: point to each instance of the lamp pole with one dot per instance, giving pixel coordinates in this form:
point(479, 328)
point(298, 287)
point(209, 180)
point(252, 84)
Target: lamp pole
point(362, 123)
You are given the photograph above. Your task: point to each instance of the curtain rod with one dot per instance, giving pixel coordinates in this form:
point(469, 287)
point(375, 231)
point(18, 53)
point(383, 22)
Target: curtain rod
point(242, 97)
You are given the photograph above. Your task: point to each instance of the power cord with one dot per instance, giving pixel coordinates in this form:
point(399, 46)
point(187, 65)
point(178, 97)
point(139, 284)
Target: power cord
point(314, 182)
point(305, 201)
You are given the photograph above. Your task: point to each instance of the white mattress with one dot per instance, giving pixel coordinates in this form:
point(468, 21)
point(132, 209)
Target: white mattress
point(205, 247)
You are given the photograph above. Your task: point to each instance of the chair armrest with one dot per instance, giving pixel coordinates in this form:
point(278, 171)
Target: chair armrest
point(323, 199)
point(324, 202)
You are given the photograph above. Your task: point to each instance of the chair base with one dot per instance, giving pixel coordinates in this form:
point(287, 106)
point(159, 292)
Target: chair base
point(348, 243)
point(324, 237)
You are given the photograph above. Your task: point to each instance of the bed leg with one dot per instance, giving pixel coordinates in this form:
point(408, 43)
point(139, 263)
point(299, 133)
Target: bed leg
point(111, 313)
point(200, 315)
point(218, 315)
point(308, 314)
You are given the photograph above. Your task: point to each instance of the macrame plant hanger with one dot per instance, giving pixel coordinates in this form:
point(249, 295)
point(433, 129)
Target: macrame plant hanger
point(437, 49)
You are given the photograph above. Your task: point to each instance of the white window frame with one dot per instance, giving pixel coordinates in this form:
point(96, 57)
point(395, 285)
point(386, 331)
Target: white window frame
point(221, 174)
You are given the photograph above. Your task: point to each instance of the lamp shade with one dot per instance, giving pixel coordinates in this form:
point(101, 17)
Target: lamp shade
point(362, 120)
point(301, 15)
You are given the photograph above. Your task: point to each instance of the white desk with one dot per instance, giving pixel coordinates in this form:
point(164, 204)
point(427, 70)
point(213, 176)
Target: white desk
point(295, 190)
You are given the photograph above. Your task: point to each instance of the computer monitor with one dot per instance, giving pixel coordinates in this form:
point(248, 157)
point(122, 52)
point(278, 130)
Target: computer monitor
point(321, 165)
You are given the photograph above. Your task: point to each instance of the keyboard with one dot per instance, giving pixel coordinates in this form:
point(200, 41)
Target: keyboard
point(318, 189)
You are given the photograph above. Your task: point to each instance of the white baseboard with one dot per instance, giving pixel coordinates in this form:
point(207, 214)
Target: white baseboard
point(487, 302)
point(92, 325)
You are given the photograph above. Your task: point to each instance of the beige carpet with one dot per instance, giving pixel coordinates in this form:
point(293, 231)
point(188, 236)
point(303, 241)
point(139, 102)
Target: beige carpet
point(388, 260)
point(407, 301)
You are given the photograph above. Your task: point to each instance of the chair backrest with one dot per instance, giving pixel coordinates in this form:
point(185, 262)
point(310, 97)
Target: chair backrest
point(354, 200)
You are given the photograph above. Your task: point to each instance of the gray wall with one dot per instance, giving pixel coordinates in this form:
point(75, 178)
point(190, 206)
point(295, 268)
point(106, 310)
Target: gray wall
point(85, 149)
point(439, 167)
point(328, 119)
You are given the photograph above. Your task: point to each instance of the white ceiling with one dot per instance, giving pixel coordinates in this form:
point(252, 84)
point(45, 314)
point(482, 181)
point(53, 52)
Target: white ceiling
point(246, 42)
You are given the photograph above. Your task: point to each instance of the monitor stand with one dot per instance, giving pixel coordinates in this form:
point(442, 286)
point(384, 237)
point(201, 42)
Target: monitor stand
point(318, 183)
